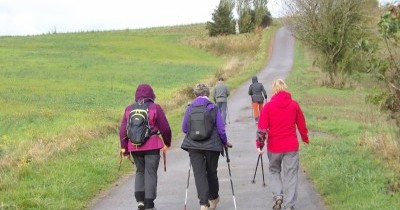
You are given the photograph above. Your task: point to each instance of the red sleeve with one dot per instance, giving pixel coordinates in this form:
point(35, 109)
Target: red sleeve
point(263, 124)
point(263, 121)
point(301, 125)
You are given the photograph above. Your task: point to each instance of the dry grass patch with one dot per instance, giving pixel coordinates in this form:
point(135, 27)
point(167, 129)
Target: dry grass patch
point(387, 148)
point(43, 149)
point(234, 45)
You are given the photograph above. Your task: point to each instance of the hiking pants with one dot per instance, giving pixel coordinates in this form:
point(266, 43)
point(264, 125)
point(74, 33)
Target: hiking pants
point(146, 174)
point(257, 107)
point(205, 164)
point(286, 186)
point(223, 107)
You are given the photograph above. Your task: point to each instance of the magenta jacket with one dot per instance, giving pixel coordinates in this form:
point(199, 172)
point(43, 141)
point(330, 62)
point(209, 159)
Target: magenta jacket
point(157, 119)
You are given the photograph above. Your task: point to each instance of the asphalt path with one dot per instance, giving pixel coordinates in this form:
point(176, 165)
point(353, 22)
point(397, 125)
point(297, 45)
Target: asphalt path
point(172, 185)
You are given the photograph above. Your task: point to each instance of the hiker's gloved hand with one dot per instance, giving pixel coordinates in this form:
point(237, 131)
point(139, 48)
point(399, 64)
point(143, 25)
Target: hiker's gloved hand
point(228, 145)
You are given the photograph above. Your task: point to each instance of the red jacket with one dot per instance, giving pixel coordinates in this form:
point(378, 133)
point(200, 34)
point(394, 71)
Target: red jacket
point(279, 119)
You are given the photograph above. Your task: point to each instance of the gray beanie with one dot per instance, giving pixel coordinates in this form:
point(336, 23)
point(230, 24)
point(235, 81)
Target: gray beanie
point(201, 90)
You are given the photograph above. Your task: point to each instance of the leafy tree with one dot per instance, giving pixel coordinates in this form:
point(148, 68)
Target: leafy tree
point(388, 67)
point(246, 16)
point(223, 21)
point(331, 27)
point(262, 15)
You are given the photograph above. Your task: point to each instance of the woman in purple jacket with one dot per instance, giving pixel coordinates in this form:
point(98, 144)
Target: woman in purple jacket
point(146, 156)
point(204, 154)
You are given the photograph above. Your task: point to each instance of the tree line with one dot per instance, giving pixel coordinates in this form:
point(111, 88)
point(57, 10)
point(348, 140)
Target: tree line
point(251, 14)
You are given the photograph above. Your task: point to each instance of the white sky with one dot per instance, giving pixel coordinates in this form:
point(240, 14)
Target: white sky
point(28, 17)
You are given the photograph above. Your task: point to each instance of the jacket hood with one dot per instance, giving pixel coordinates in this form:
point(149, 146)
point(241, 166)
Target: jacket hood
point(144, 92)
point(200, 100)
point(254, 79)
point(282, 99)
point(203, 100)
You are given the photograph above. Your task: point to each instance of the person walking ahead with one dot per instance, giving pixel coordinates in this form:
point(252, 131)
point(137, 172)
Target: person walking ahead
point(258, 94)
point(204, 141)
point(277, 124)
point(146, 156)
point(221, 93)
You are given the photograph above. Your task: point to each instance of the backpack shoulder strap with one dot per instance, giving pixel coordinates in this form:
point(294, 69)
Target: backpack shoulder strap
point(213, 111)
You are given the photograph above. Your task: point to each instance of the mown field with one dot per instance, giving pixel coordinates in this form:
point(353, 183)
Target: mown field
point(353, 157)
point(62, 97)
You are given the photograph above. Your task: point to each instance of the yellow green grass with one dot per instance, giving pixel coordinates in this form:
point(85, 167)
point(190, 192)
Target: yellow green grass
point(62, 97)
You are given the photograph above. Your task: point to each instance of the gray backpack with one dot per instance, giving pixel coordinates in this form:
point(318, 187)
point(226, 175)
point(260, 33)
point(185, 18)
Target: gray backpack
point(200, 122)
point(138, 127)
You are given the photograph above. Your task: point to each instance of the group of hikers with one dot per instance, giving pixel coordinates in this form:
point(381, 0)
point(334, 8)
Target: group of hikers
point(206, 139)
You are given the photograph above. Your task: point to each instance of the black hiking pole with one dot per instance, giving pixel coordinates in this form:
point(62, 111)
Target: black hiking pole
point(262, 168)
point(254, 177)
point(230, 176)
point(187, 184)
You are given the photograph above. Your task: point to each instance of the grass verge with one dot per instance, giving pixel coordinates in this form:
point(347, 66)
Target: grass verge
point(347, 169)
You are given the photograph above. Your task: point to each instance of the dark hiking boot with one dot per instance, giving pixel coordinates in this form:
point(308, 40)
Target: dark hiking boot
point(140, 205)
point(277, 205)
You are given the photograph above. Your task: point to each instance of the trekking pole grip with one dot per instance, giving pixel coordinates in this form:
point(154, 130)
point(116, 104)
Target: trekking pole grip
point(227, 155)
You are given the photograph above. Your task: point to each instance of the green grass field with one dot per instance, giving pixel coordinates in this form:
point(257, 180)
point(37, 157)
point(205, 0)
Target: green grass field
point(349, 172)
point(62, 97)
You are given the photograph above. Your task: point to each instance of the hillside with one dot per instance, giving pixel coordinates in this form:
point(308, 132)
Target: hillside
point(62, 96)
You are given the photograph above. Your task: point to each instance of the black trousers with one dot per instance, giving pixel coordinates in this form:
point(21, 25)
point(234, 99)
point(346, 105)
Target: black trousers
point(146, 176)
point(205, 164)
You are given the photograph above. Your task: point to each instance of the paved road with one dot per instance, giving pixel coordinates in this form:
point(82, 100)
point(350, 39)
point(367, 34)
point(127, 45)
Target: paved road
point(241, 133)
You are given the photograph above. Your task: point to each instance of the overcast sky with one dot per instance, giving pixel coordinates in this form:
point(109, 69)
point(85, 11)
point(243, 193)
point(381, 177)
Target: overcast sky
point(28, 17)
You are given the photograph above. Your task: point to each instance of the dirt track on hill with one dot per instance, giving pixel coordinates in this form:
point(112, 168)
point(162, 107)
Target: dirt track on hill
point(243, 155)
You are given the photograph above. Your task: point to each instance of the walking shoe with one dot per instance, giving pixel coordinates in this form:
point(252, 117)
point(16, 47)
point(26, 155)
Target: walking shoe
point(140, 205)
point(152, 209)
point(213, 203)
point(277, 204)
point(204, 207)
